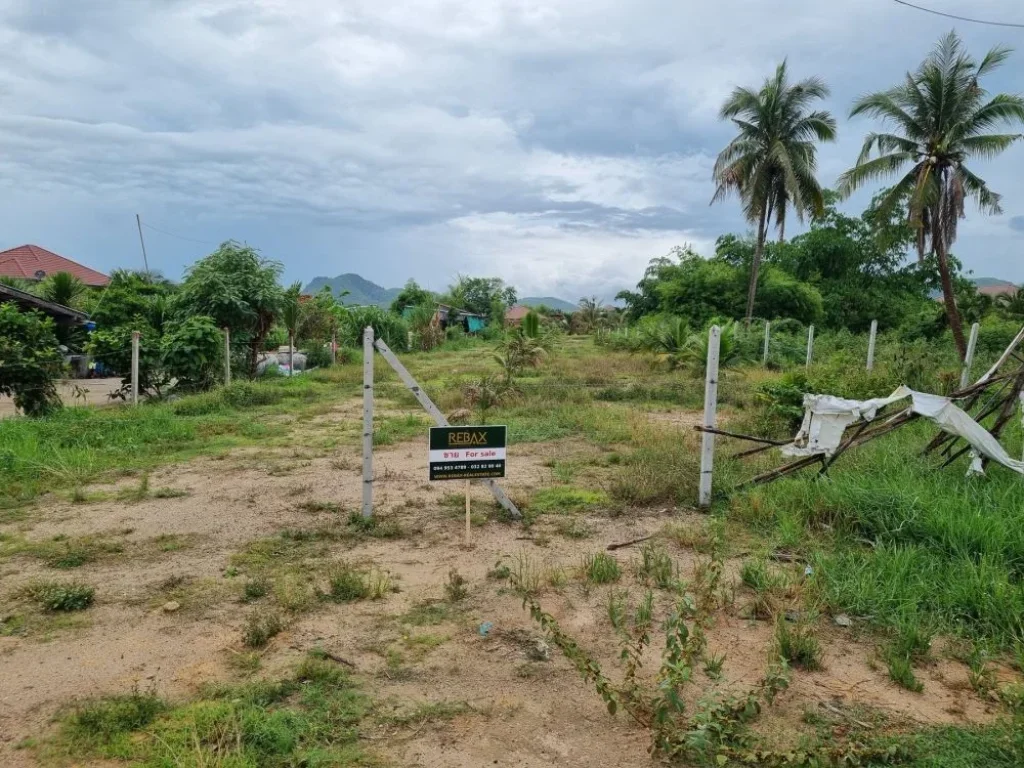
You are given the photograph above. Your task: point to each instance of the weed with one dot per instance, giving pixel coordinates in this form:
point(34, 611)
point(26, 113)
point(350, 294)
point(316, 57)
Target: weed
point(656, 566)
point(260, 628)
point(618, 600)
point(378, 584)
point(601, 568)
point(246, 662)
point(428, 613)
point(573, 528)
point(565, 499)
point(526, 576)
point(374, 526)
point(255, 588)
point(319, 507)
point(901, 672)
point(797, 644)
point(295, 593)
point(346, 584)
point(170, 493)
point(500, 572)
point(57, 596)
point(713, 665)
point(455, 589)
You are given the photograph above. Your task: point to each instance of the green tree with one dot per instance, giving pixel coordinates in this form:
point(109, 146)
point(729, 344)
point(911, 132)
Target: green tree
point(942, 118)
point(481, 295)
point(238, 288)
point(411, 295)
point(30, 362)
point(131, 298)
point(771, 164)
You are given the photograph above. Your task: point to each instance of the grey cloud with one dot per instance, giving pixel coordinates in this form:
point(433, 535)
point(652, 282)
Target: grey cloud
point(1017, 223)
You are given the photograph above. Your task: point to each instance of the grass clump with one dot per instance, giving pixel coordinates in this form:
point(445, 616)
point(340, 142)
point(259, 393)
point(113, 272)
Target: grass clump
point(601, 568)
point(255, 588)
point(797, 644)
point(574, 528)
point(374, 526)
point(309, 718)
point(656, 566)
point(456, 589)
point(260, 628)
point(61, 596)
point(346, 584)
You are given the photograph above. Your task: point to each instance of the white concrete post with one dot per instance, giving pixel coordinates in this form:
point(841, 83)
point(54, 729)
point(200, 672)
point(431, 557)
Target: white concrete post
point(707, 446)
point(368, 421)
point(227, 356)
point(965, 375)
point(135, 367)
point(810, 345)
point(871, 345)
point(767, 339)
point(291, 355)
point(334, 347)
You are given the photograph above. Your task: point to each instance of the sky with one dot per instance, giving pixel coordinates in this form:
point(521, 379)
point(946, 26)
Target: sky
point(558, 144)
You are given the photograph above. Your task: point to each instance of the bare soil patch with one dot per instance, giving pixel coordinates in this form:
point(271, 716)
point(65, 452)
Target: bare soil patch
point(469, 668)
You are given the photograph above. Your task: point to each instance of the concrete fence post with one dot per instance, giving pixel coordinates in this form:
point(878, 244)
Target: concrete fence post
point(368, 421)
point(871, 345)
point(767, 341)
point(810, 345)
point(972, 342)
point(707, 445)
point(136, 335)
point(227, 357)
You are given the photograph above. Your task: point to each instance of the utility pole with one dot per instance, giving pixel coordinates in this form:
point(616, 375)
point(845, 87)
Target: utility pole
point(138, 221)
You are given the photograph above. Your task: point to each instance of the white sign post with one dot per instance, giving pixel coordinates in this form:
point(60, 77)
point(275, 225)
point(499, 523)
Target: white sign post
point(707, 445)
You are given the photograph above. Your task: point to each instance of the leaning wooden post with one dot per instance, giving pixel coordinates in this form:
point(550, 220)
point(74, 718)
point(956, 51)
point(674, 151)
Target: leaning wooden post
point(871, 345)
point(368, 421)
point(227, 356)
point(965, 375)
point(810, 344)
point(707, 446)
point(767, 339)
point(135, 367)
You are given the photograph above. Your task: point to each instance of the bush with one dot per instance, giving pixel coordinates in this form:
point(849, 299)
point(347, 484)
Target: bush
point(193, 353)
point(318, 356)
point(30, 361)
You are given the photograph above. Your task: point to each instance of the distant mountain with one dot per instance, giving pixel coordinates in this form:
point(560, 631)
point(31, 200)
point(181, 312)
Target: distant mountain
point(362, 292)
point(550, 302)
point(989, 282)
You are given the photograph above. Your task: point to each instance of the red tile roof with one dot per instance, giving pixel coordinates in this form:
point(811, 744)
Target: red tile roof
point(998, 290)
point(515, 314)
point(28, 261)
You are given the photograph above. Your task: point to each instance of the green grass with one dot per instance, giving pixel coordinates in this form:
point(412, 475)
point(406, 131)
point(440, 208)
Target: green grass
point(906, 542)
point(57, 596)
point(260, 628)
point(601, 568)
point(797, 644)
point(995, 746)
point(566, 499)
point(309, 718)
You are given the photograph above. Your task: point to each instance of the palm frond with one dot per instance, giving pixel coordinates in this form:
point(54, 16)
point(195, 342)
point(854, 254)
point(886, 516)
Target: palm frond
point(879, 168)
point(976, 187)
point(988, 145)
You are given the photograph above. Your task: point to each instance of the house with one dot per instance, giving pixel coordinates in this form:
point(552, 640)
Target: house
point(516, 314)
point(30, 262)
point(26, 301)
point(994, 291)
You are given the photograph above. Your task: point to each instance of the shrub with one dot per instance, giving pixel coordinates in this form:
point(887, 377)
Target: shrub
point(318, 356)
point(56, 596)
point(192, 352)
point(260, 628)
point(30, 361)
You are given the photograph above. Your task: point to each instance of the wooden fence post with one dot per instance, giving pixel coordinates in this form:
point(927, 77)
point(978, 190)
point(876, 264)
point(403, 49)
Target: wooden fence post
point(707, 446)
point(368, 421)
point(227, 356)
point(767, 339)
point(965, 375)
point(871, 345)
point(135, 367)
point(810, 344)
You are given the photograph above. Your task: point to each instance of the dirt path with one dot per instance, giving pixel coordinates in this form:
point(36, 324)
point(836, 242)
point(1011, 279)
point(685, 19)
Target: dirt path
point(513, 710)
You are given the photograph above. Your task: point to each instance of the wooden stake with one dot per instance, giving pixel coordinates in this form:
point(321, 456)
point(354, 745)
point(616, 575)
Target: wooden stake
point(135, 367)
point(368, 421)
point(871, 345)
point(707, 448)
point(469, 537)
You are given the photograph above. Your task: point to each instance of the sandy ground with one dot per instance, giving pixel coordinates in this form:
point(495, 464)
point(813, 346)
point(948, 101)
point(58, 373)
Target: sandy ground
point(521, 712)
point(91, 392)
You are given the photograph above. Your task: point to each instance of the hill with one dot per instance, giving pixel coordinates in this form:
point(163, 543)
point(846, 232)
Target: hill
point(989, 282)
point(549, 301)
point(361, 291)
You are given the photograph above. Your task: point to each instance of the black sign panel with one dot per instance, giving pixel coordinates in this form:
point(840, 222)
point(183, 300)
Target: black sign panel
point(467, 453)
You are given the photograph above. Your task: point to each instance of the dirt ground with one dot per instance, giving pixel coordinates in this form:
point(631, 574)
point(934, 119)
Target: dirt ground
point(516, 710)
point(74, 392)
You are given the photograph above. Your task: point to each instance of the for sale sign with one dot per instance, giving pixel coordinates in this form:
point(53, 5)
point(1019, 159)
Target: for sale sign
point(467, 453)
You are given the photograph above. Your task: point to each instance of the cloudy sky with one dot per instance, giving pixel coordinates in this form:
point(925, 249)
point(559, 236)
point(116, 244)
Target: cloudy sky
point(559, 144)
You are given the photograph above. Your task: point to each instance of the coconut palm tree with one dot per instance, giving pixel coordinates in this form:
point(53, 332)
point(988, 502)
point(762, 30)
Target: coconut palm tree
point(772, 162)
point(942, 118)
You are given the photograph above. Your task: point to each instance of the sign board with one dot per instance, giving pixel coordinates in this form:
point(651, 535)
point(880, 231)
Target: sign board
point(467, 453)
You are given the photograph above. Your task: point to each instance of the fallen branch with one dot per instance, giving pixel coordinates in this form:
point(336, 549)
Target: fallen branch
point(611, 547)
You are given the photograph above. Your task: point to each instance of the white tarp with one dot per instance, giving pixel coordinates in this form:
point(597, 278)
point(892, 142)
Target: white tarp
point(826, 419)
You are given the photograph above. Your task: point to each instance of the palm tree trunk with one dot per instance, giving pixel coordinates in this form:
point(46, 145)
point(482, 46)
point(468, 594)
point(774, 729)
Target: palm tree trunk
point(952, 313)
point(755, 266)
